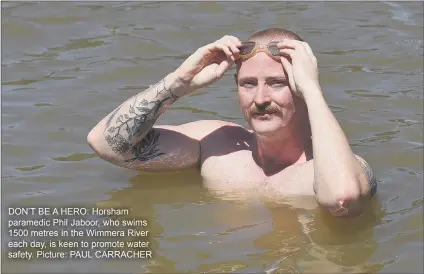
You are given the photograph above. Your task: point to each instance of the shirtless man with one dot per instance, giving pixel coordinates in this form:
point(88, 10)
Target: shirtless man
point(294, 145)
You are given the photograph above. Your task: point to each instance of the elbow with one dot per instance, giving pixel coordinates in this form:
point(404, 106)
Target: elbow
point(100, 146)
point(346, 204)
point(93, 140)
point(345, 196)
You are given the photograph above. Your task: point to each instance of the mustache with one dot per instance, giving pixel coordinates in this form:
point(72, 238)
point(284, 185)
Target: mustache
point(264, 110)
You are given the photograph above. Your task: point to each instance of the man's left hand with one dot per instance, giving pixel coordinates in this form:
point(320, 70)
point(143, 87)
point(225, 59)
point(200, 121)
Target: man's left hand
point(303, 69)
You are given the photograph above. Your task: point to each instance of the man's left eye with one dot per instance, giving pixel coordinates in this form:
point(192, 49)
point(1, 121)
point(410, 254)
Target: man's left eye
point(278, 84)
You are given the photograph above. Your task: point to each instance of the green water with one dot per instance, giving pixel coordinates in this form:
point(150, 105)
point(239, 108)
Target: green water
point(66, 65)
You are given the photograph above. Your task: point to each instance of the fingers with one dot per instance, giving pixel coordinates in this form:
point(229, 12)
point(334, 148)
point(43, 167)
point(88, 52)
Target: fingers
point(288, 52)
point(232, 39)
point(289, 71)
point(222, 47)
point(288, 43)
point(228, 44)
point(290, 48)
point(298, 46)
point(233, 42)
point(223, 67)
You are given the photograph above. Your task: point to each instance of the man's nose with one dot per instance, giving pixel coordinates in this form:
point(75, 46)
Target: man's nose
point(262, 97)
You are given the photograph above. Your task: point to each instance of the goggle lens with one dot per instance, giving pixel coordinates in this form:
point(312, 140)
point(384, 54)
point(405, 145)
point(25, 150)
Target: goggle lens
point(273, 49)
point(247, 47)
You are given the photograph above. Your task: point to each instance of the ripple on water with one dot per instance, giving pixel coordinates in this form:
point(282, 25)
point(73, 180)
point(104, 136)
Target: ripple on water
point(365, 93)
point(21, 82)
point(201, 93)
point(83, 43)
point(45, 55)
point(382, 137)
point(405, 122)
point(58, 20)
point(39, 193)
point(30, 168)
point(346, 52)
point(373, 26)
point(91, 6)
point(410, 172)
point(45, 105)
point(46, 77)
point(369, 51)
point(75, 157)
point(336, 109)
point(400, 13)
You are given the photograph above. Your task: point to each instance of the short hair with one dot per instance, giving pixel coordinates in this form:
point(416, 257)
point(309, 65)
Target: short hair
point(274, 33)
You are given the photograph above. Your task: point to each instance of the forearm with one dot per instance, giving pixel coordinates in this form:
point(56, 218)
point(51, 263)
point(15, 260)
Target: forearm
point(132, 120)
point(338, 177)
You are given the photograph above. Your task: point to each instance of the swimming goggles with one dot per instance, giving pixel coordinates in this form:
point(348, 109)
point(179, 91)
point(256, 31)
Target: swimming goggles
point(250, 48)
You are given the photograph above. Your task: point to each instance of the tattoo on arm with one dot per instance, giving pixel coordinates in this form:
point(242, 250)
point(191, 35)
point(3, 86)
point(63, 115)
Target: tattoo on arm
point(372, 180)
point(123, 133)
point(109, 120)
point(146, 149)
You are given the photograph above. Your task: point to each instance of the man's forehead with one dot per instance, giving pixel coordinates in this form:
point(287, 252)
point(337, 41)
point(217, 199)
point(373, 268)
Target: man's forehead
point(261, 61)
point(261, 66)
point(266, 77)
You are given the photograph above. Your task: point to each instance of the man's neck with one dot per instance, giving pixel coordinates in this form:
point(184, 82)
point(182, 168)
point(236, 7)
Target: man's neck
point(275, 153)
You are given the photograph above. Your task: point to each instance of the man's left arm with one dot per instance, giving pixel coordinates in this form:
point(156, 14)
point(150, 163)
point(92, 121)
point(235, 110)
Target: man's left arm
point(341, 180)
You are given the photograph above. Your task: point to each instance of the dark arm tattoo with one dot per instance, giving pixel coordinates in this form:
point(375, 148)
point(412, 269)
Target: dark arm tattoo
point(131, 130)
point(372, 180)
point(146, 149)
point(109, 120)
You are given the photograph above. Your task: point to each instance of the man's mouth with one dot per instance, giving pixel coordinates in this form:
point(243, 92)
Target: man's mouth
point(262, 115)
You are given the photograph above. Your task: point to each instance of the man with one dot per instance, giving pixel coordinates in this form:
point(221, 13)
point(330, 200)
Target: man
point(294, 145)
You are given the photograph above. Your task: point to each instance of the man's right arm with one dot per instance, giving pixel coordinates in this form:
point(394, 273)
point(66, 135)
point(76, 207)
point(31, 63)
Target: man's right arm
point(126, 137)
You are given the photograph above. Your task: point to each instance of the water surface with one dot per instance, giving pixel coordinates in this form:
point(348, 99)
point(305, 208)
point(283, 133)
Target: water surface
point(66, 65)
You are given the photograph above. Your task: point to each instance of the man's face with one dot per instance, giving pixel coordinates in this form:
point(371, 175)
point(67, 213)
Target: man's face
point(264, 93)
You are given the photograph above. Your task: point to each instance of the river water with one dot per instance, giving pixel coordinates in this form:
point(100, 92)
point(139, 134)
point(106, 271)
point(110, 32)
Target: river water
point(66, 65)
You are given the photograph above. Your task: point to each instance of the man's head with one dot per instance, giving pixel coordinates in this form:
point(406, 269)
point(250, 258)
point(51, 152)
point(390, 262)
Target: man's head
point(265, 96)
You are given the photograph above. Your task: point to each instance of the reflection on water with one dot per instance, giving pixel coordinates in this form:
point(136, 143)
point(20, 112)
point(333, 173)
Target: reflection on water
point(66, 65)
point(271, 236)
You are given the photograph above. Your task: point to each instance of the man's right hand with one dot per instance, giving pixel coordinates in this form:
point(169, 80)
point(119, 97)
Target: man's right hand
point(209, 63)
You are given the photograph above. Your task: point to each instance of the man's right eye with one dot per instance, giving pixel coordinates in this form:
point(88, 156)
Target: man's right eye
point(249, 84)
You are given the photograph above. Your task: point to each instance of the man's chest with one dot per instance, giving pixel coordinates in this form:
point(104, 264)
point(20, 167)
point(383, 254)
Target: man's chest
point(238, 171)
